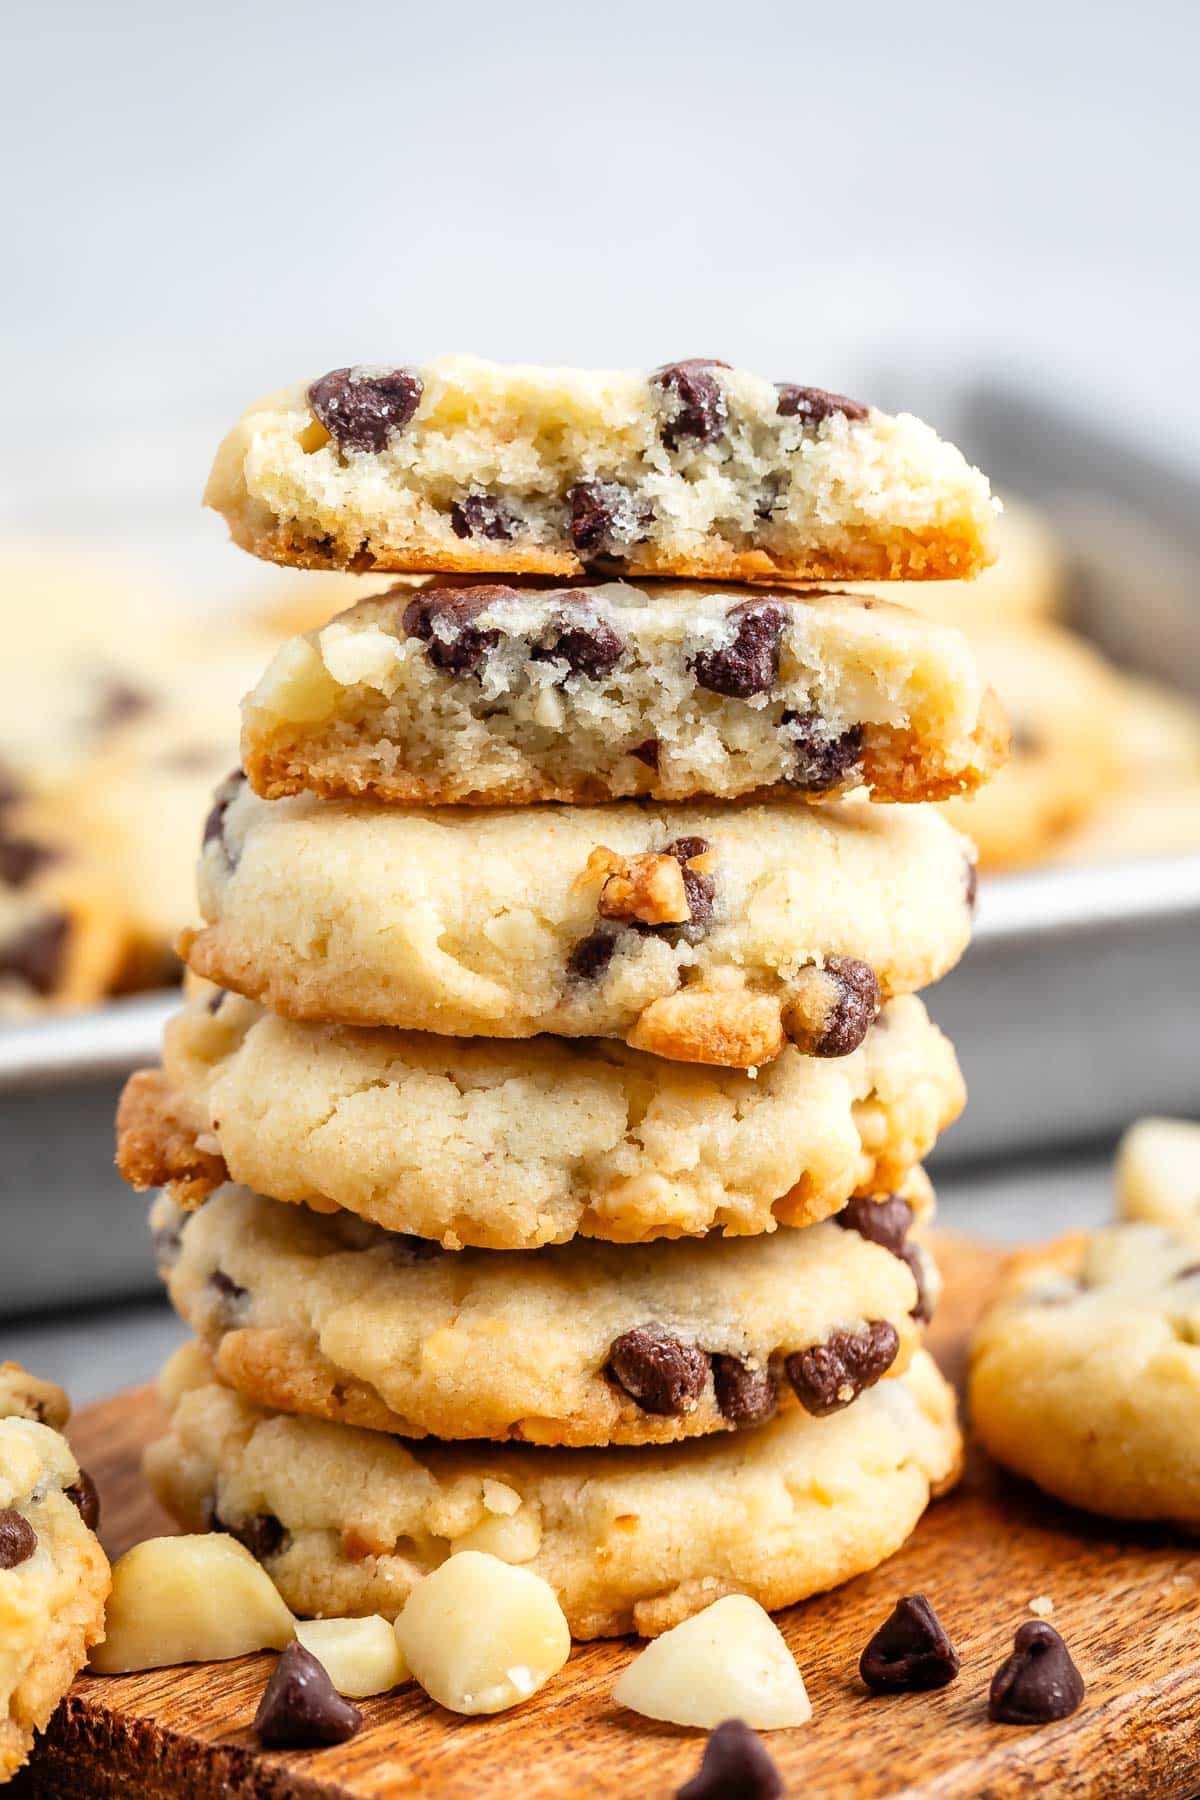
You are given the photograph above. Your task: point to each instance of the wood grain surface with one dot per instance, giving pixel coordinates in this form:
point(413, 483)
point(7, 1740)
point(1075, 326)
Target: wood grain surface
point(1127, 1601)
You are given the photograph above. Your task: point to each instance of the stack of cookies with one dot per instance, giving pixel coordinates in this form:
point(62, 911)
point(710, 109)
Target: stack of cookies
point(541, 1143)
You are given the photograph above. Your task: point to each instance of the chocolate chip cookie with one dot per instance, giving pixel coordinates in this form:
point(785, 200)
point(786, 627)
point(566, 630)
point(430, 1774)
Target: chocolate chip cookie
point(692, 469)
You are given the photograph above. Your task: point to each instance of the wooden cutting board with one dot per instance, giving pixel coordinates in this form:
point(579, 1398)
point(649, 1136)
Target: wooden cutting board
point(1127, 1602)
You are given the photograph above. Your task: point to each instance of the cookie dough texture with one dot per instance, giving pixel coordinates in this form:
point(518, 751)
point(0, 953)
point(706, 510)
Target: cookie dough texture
point(630, 1539)
point(502, 693)
point(52, 1600)
point(1158, 1172)
point(698, 470)
point(473, 924)
point(512, 1145)
point(332, 1317)
point(1085, 1371)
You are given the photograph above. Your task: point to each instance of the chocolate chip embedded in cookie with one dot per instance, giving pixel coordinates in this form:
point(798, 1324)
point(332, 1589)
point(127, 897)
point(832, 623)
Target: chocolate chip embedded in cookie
point(659, 1371)
point(832, 1374)
point(833, 1007)
point(363, 408)
point(749, 663)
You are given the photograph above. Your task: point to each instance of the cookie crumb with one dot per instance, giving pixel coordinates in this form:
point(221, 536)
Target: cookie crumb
point(1042, 1605)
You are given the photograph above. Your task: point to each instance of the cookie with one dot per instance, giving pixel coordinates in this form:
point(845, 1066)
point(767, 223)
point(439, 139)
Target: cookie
point(1026, 583)
point(504, 693)
point(693, 469)
point(63, 931)
point(54, 1577)
point(1158, 1172)
point(1155, 808)
point(705, 934)
point(347, 1520)
point(579, 1343)
point(1062, 699)
point(1085, 1371)
point(512, 1145)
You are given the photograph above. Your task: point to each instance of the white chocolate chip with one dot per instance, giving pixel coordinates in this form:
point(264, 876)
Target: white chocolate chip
point(480, 1635)
point(296, 686)
point(353, 656)
point(515, 1538)
point(500, 1498)
point(728, 1661)
point(360, 1656)
point(189, 1599)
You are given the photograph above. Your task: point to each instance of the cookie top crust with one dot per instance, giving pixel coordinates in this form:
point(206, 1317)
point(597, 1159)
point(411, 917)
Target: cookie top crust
point(580, 1343)
point(693, 470)
point(347, 1520)
point(514, 691)
point(705, 934)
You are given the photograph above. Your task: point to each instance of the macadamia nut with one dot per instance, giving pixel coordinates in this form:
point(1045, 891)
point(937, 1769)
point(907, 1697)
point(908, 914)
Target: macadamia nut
point(189, 1599)
point(481, 1635)
point(360, 1656)
point(729, 1661)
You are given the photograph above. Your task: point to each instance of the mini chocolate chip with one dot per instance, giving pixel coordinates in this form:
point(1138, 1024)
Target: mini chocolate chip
point(828, 1376)
point(587, 644)
point(604, 516)
point(820, 762)
point(229, 1306)
point(167, 1242)
point(745, 1396)
point(35, 956)
point(223, 799)
point(216, 1001)
point(698, 408)
point(735, 1766)
point(22, 857)
point(83, 1496)
point(814, 405)
point(442, 618)
point(300, 1707)
point(972, 884)
point(1038, 1682)
point(18, 1539)
point(853, 1013)
point(361, 408)
point(591, 956)
point(482, 515)
point(659, 1371)
point(910, 1652)
point(262, 1535)
point(884, 1222)
point(699, 888)
point(647, 753)
point(749, 663)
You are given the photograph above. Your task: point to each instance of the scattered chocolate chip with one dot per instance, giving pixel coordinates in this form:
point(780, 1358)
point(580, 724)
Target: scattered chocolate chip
point(604, 517)
point(83, 1496)
point(262, 1535)
point(696, 404)
point(735, 1766)
point(229, 1305)
point(442, 617)
point(972, 884)
point(18, 1539)
point(745, 1396)
point(361, 408)
point(659, 1371)
point(814, 405)
point(828, 1376)
point(884, 1222)
point(587, 643)
point(35, 956)
point(300, 1707)
point(223, 799)
point(22, 857)
point(482, 515)
point(647, 753)
point(820, 762)
point(854, 1010)
point(910, 1652)
point(591, 956)
point(749, 663)
point(1038, 1682)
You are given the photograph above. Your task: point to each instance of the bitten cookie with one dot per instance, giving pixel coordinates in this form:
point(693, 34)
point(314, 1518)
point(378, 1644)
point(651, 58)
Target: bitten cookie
point(693, 469)
point(346, 1521)
point(1026, 583)
point(522, 693)
point(512, 1145)
point(579, 1343)
point(54, 1577)
point(704, 934)
point(1085, 1371)
point(1158, 1172)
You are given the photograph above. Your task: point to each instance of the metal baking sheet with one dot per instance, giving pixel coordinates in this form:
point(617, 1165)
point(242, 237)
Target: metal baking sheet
point(1075, 1011)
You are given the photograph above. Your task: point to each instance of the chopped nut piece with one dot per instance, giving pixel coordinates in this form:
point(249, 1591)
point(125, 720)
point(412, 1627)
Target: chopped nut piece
point(729, 1660)
point(649, 889)
point(360, 1656)
point(189, 1599)
point(480, 1635)
point(704, 1026)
